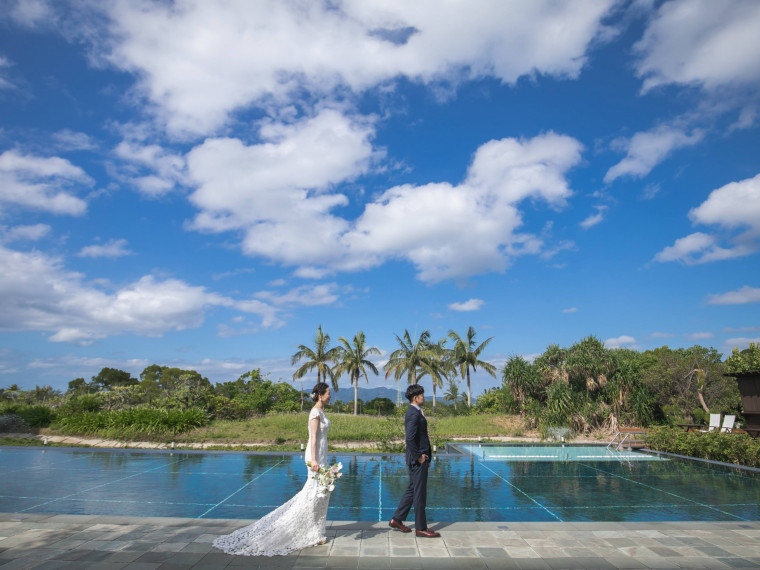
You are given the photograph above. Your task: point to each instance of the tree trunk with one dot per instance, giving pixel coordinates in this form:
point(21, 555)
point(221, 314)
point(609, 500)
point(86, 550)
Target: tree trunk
point(702, 401)
point(469, 398)
point(434, 395)
point(356, 395)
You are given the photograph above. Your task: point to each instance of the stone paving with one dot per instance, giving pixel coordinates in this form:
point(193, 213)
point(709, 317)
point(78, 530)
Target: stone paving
point(44, 541)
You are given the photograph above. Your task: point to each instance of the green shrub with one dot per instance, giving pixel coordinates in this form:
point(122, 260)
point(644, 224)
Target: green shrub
point(124, 424)
point(33, 416)
point(736, 448)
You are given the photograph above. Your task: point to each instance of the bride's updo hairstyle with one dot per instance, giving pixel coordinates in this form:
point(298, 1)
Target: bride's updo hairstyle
point(319, 389)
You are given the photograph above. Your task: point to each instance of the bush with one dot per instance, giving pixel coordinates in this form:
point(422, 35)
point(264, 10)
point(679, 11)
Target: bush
point(129, 423)
point(11, 423)
point(736, 448)
point(33, 416)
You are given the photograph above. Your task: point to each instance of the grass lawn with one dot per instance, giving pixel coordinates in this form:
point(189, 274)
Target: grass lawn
point(291, 428)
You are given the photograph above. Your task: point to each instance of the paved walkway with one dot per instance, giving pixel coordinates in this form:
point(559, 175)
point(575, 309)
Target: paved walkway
point(88, 541)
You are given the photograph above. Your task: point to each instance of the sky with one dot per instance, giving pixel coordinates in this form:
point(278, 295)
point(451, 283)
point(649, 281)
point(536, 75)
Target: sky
point(202, 184)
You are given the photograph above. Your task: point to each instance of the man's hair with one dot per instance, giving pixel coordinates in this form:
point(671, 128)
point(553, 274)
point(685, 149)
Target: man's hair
point(414, 390)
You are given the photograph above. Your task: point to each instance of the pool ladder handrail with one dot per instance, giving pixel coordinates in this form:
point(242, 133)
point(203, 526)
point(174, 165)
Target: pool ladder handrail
point(623, 438)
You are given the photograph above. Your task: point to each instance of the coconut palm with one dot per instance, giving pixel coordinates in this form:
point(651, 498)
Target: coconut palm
point(467, 355)
point(319, 357)
point(352, 359)
point(410, 358)
point(453, 394)
point(437, 365)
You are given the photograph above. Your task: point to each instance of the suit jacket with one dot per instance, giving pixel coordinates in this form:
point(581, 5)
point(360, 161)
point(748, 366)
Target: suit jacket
point(417, 441)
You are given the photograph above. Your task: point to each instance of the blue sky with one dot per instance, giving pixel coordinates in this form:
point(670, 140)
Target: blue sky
point(202, 184)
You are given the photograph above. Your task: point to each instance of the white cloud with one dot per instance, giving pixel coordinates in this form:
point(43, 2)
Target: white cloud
point(470, 305)
point(646, 150)
point(39, 294)
point(33, 232)
point(280, 195)
point(72, 140)
point(699, 335)
point(594, 219)
point(150, 168)
point(200, 63)
point(306, 295)
point(570, 310)
point(4, 83)
point(736, 204)
point(619, 342)
point(41, 183)
point(733, 206)
point(31, 13)
point(277, 192)
point(112, 248)
point(741, 296)
point(701, 42)
point(450, 231)
point(740, 342)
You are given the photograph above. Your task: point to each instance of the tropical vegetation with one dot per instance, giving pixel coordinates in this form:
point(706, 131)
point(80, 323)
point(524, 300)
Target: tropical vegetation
point(585, 387)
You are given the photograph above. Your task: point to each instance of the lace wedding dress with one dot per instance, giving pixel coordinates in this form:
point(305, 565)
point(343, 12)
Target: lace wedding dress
point(297, 524)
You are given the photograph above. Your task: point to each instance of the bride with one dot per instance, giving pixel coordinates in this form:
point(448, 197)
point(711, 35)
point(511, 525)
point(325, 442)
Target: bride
point(300, 522)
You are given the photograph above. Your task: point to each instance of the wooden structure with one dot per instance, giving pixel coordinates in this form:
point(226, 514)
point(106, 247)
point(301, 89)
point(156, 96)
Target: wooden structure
point(749, 388)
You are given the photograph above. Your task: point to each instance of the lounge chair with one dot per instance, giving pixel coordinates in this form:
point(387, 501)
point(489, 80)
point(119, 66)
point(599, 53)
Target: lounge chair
point(728, 423)
point(714, 423)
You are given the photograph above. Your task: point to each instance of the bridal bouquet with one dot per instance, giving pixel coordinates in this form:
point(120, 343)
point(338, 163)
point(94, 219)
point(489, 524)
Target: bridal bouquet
point(326, 477)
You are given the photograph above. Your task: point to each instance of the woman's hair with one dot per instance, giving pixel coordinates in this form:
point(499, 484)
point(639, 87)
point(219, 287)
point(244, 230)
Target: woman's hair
point(414, 390)
point(319, 389)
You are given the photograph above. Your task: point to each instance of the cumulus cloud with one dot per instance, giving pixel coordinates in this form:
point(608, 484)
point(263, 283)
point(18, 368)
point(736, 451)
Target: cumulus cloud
point(112, 248)
point(701, 42)
point(280, 196)
point(32, 232)
point(646, 150)
point(41, 183)
point(450, 231)
point(150, 168)
point(741, 296)
point(470, 305)
point(733, 206)
point(39, 294)
point(619, 342)
point(200, 63)
point(594, 219)
point(570, 310)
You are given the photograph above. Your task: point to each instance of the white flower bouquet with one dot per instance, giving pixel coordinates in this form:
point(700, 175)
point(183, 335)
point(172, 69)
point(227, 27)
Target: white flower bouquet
point(326, 477)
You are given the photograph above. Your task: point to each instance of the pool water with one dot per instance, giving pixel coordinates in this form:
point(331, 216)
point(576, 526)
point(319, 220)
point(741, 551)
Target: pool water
point(460, 487)
point(558, 452)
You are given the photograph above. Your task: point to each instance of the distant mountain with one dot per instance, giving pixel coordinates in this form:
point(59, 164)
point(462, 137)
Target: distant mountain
point(346, 394)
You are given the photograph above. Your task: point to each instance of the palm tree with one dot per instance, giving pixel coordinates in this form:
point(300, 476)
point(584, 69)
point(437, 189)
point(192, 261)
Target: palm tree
point(437, 365)
point(317, 358)
point(466, 356)
point(353, 360)
point(410, 357)
point(453, 394)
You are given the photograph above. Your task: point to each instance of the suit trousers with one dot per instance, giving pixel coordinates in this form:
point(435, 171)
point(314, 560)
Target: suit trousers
point(415, 494)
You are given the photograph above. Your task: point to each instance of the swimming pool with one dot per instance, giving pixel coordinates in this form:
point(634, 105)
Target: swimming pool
point(460, 488)
point(557, 452)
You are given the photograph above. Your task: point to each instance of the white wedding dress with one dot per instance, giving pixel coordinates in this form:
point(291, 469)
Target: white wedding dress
point(297, 524)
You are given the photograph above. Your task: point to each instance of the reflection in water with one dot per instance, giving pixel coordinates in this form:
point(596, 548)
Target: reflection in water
point(463, 488)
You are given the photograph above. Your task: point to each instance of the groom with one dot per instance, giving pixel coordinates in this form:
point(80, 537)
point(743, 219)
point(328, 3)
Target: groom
point(418, 461)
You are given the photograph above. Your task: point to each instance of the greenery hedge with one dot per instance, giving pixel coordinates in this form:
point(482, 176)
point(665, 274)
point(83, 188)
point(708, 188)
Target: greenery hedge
point(123, 424)
point(736, 448)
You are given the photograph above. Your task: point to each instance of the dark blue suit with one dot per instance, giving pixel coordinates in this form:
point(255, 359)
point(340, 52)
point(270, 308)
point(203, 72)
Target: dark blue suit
point(417, 444)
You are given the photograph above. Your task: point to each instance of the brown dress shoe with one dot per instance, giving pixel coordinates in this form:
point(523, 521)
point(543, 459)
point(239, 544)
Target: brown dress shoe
point(400, 526)
point(427, 533)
